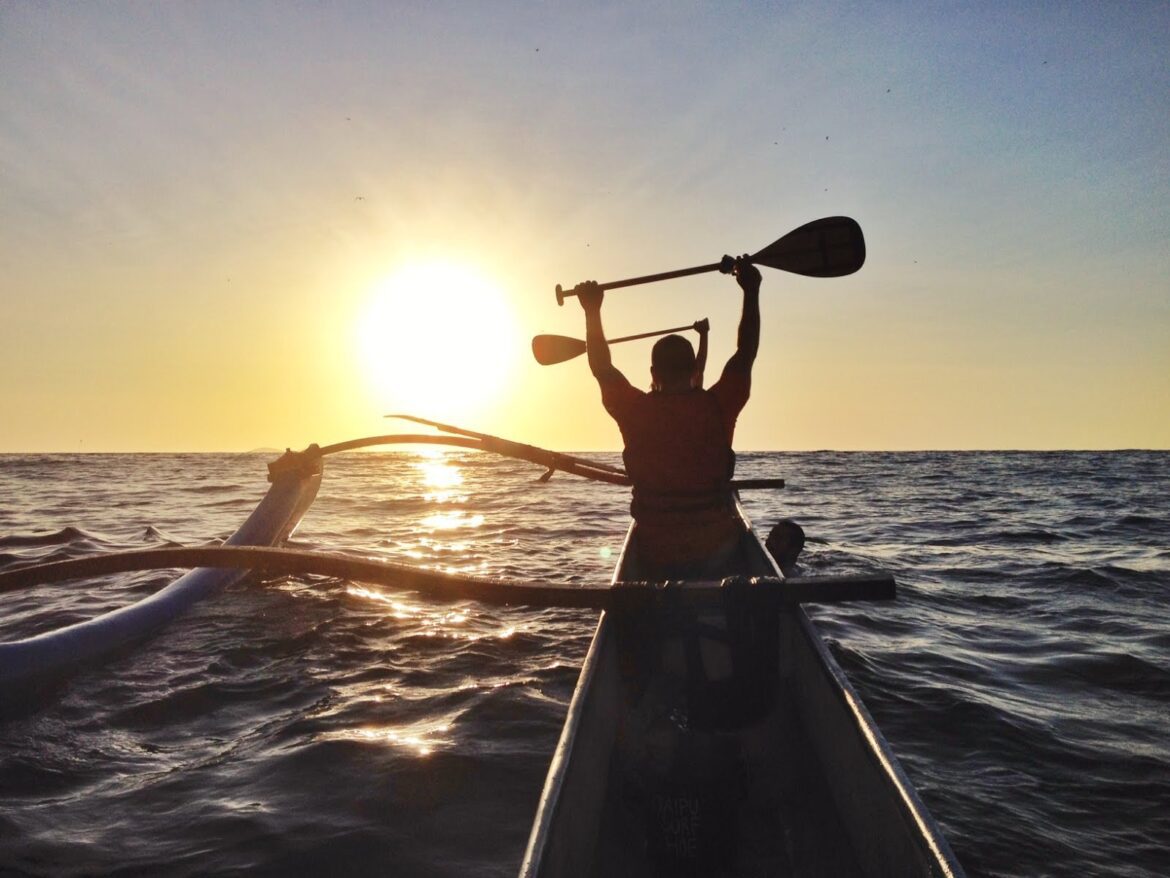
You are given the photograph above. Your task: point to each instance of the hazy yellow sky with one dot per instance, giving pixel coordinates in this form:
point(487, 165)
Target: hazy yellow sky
point(212, 211)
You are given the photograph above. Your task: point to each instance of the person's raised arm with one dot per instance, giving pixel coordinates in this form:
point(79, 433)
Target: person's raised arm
point(597, 349)
point(703, 327)
point(747, 342)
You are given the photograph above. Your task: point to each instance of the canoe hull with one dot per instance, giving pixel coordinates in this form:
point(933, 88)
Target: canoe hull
point(798, 780)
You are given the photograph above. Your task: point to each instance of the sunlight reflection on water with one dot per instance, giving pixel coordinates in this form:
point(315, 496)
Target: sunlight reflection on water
point(399, 608)
point(436, 620)
point(422, 738)
point(441, 479)
point(452, 520)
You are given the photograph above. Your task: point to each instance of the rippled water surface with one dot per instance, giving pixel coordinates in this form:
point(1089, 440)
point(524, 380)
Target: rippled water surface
point(310, 726)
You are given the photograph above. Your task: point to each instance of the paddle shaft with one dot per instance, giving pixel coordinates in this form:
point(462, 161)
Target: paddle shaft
point(723, 265)
point(694, 326)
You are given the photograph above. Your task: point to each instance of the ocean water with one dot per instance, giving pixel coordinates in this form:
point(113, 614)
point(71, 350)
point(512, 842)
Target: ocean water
point(313, 726)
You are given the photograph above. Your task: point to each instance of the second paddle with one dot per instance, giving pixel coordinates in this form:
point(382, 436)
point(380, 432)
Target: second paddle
point(550, 349)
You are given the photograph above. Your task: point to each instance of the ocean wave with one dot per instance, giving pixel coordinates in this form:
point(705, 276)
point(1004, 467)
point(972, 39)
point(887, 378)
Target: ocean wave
point(63, 537)
point(1114, 671)
point(298, 725)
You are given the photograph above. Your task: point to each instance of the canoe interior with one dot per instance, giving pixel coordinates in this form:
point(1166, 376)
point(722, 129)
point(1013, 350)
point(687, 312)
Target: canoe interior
point(724, 744)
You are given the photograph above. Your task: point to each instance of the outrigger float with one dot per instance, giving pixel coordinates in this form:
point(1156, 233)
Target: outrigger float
point(711, 731)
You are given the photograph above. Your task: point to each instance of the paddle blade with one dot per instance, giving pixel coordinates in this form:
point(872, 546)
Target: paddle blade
point(829, 247)
point(550, 349)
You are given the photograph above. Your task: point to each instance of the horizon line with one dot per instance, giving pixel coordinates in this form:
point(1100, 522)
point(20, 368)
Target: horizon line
point(403, 449)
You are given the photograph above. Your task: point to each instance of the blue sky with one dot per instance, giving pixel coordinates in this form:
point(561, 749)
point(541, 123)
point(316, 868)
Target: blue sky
point(201, 199)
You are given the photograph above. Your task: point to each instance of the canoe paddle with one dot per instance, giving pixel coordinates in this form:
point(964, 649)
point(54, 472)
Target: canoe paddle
point(828, 247)
point(551, 349)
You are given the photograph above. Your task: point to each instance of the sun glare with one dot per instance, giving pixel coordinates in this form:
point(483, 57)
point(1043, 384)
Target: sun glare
point(439, 340)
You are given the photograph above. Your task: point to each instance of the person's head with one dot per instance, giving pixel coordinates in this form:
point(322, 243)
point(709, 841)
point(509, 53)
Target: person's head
point(785, 542)
point(672, 363)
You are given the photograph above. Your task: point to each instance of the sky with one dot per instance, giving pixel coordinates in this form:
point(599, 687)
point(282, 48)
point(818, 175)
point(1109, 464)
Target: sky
point(231, 226)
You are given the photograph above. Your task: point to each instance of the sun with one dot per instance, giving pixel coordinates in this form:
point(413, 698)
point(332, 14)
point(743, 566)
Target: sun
point(437, 339)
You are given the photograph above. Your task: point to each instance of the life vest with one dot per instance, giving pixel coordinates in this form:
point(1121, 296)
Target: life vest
point(678, 454)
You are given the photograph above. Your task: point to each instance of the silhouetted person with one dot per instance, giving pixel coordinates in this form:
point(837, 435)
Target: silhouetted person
point(785, 542)
point(678, 437)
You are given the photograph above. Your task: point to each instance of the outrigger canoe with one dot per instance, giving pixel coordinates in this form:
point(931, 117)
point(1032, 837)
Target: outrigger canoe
point(724, 740)
point(711, 732)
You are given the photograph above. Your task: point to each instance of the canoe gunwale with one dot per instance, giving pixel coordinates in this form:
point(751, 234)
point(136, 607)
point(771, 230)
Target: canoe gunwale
point(541, 853)
point(940, 860)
